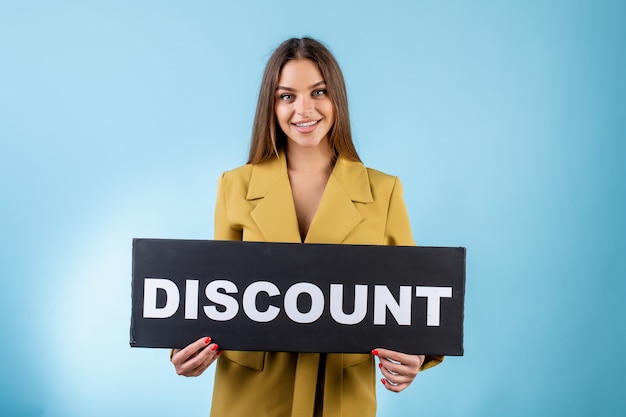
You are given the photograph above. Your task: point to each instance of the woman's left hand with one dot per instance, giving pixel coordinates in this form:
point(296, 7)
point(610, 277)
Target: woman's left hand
point(399, 369)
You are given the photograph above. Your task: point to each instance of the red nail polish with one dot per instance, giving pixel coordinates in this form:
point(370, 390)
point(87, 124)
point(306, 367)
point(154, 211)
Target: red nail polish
point(380, 365)
point(207, 340)
point(375, 352)
point(383, 381)
point(214, 347)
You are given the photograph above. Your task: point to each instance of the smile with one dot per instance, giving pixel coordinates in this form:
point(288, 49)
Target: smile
point(306, 124)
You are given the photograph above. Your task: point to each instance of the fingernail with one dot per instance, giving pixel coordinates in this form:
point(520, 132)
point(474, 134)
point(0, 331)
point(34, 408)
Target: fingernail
point(207, 340)
point(214, 347)
point(383, 381)
point(375, 352)
point(380, 365)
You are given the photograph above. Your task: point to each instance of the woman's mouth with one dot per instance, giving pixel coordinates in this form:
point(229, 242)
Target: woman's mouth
point(307, 126)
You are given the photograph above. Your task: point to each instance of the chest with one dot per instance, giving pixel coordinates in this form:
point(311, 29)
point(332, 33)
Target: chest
point(307, 192)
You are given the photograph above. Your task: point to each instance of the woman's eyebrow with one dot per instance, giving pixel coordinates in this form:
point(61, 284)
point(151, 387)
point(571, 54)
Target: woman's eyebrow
point(317, 84)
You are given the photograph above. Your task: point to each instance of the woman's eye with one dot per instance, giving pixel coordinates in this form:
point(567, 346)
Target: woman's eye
point(320, 92)
point(285, 97)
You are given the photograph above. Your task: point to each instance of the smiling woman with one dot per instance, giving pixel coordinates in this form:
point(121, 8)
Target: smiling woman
point(304, 183)
point(325, 81)
point(303, 109)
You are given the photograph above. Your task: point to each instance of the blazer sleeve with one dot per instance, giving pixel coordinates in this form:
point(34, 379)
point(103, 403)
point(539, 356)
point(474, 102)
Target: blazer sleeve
point(398, 232)
point(222, 228)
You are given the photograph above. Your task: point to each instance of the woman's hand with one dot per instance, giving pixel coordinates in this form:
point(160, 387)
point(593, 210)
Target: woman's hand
point(195, 358)
point(399, 369)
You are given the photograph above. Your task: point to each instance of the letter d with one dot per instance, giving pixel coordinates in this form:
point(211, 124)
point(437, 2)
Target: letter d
point(150, 309)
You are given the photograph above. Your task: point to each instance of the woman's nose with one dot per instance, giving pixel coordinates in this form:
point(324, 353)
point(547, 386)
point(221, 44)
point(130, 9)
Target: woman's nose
point(304, 106)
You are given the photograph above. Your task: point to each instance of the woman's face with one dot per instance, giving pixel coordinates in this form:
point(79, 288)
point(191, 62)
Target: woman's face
point(303, 108)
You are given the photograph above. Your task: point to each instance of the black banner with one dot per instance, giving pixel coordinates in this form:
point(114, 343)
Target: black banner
point(298, 297)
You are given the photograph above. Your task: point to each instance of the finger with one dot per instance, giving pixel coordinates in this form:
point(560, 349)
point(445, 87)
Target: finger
point(396, 368)
point(392, 355)
point(182, 355)
point(196, 365)
point(390, 358)
point(393, 387)
point(208, 355)
point(398, 375)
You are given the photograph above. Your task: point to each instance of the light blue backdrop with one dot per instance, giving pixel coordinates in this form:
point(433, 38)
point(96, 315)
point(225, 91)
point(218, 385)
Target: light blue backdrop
point(505, 121)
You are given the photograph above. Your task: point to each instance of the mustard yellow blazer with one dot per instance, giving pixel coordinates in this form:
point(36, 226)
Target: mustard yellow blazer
point(359, 206)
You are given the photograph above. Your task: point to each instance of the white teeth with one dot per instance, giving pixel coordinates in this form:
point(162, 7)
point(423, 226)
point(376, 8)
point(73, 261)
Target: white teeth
point(307, 124)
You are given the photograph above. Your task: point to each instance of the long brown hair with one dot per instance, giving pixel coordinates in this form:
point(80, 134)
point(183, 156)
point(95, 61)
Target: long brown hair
point(267, 137)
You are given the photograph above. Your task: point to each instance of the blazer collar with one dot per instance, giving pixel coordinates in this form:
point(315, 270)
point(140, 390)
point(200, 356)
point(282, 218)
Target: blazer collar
point(336, 215)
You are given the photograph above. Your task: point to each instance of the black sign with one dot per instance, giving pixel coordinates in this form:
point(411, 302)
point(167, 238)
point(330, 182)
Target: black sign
point(298, 297)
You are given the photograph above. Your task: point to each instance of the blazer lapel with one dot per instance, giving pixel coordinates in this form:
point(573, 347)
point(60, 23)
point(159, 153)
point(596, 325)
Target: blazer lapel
point(275, 214)
point(337, 215)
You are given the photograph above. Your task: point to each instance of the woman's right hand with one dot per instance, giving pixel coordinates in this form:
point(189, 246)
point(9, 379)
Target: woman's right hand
point(195, 358)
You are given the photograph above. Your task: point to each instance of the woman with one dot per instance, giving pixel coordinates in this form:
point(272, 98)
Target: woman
point(304, 182)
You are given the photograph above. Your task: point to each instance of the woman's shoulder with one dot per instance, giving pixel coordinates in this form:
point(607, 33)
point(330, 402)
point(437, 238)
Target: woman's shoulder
point(383, 184)
point(269, 167)
point(354, 167)
point(254, 180)
point(236, 181)
point(380, 176)
point(241, 172)
point(357, 174)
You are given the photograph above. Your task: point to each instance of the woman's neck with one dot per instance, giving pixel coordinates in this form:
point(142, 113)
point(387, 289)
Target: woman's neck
point(319, 159)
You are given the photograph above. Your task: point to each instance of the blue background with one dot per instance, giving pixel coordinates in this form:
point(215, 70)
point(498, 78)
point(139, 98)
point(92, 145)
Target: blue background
point(505, 121)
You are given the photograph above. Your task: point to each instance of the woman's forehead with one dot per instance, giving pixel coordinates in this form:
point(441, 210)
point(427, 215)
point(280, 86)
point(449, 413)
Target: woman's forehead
point(302, 73)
